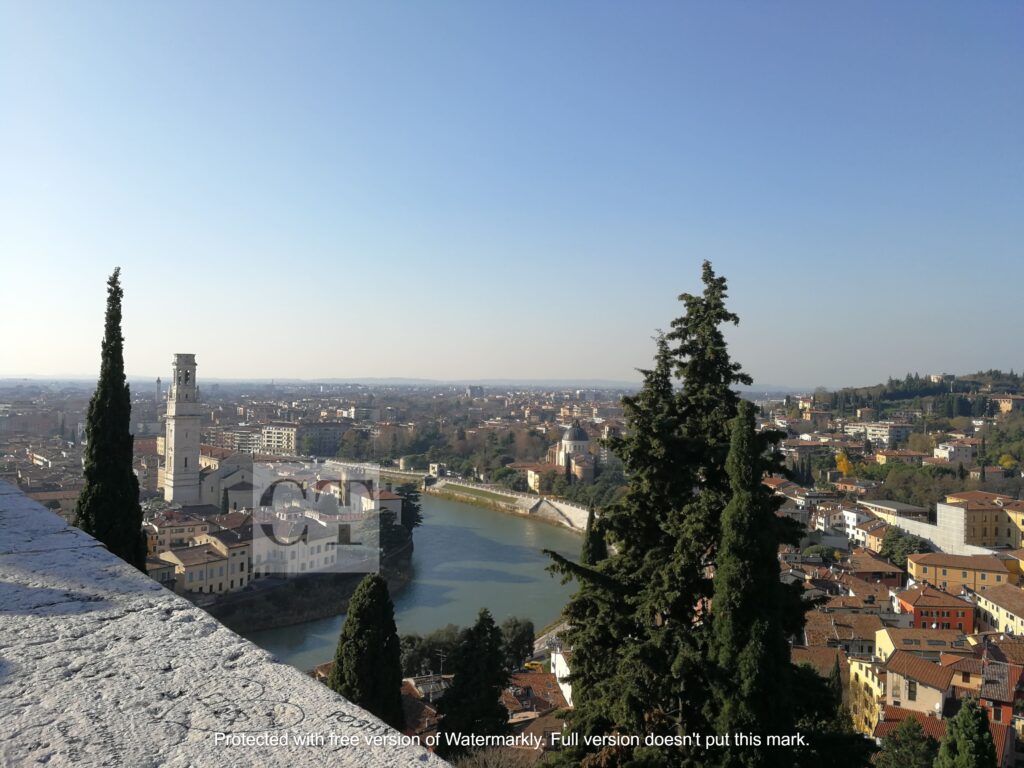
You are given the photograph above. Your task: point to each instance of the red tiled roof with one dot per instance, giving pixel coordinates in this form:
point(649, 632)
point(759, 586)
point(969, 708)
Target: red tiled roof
point(1006, 596)
point(893, 716)
point(983, 496)
point(824, 627)
point(920, 669)
point(963, 562)
point(927, 596)
point(822, 659)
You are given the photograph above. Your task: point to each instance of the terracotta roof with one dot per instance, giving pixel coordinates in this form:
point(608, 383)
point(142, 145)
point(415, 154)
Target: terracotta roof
point(971, 496)
point(872, 524)
point(935, 728)
point(893, 716)
point(862, 561)
point(963, 562)
point(532, 691)
point(1006, 596)
point(822, 628)
point(1002, 648)
point(928, 639)
point(233, 520)
point(822, 659)
point(920, 669)
point(196, 555)
point(215, 452)
point(969, 664)
point(927, 596)
point(167, 520)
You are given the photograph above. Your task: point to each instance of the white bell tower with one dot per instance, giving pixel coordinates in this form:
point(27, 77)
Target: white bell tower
point(181, 445)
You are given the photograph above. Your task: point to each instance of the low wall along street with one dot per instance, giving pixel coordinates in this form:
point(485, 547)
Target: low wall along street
point(100, 665)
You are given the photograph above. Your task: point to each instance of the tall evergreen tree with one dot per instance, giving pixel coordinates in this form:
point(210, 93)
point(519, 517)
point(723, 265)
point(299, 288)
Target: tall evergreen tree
point(367, 664)
point(108, 506)
point(835, 683)
point(968, 741)
point(638, 624)
point(748, 643)
point(517, 635)
point(639, 646)
point(594, 549)
point(907, 747)
point(472, 705)
point(412, 515)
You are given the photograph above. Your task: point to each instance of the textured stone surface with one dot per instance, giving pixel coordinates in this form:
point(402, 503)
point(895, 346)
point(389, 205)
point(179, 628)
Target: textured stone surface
point(100, 665)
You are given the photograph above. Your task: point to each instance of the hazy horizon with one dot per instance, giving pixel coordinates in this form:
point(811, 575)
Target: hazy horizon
point(460, 192)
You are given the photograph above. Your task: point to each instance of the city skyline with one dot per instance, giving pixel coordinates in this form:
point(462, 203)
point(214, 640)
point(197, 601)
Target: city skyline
point(327, 192)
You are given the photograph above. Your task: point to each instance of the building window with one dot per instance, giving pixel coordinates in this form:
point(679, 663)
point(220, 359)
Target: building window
point(911, 690)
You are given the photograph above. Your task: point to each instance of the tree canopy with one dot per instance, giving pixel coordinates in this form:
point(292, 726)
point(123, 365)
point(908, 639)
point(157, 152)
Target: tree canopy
point(108, 506)
point(968, 741)
point(646, 658)
point(367, 664)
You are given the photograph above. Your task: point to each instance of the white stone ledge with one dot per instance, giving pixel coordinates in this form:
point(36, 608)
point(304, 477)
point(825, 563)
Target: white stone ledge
point(100, 665)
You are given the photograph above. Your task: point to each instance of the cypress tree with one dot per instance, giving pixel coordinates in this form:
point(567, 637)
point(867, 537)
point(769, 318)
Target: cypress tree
point(748, 644)
point(835, 684)
point(367, 664)
point(472, 705)
point(968, 741)
point(594, 549)
point(108, 506)
point(908, 746)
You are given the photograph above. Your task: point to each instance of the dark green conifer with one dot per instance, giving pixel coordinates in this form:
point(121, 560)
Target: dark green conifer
point(639, 648)
point(594, 549)
point(907, 747)
point(835, 683)
point(968, 741)
point(748, 645)
point(638, 624)
point(108, 506)
point(367, 664)
point(472, 705)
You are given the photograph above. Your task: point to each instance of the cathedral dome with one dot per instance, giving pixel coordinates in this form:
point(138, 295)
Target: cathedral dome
point(575, 433)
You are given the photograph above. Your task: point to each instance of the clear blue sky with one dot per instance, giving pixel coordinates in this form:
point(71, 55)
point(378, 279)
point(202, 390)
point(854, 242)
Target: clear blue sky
point(525, 187)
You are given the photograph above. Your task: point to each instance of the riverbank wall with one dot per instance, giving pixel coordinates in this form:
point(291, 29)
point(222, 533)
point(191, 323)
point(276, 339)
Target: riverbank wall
point(302, 599)
point(552, 511)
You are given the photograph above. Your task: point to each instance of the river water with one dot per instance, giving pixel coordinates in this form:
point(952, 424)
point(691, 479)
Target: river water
point(466, 558)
